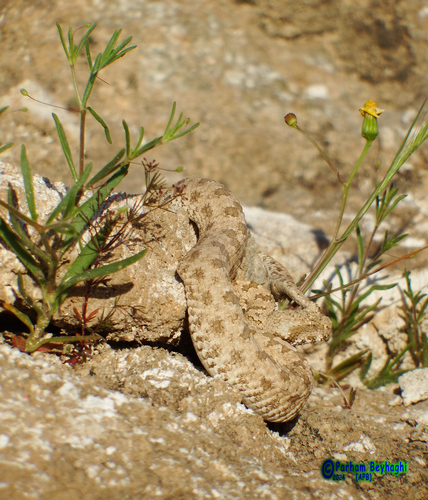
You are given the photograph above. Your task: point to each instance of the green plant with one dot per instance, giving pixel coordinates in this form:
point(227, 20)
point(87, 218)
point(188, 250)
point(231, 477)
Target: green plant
point(414, 306)
point(350, 312)
point(413, 312)
point(417, 134)
point(44, 248)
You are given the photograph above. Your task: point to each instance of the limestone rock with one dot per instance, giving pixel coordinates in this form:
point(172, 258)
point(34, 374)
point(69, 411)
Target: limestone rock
point(414, 386)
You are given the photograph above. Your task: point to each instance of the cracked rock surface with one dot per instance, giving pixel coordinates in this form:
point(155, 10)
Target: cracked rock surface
point(146, 423)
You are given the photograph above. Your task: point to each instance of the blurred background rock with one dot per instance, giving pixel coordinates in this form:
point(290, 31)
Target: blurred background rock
point(237, 66)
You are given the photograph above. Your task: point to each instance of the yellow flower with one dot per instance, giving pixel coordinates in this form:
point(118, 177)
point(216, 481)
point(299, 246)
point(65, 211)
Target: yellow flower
point(371, 109)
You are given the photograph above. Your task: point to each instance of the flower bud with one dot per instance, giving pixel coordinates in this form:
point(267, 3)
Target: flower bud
point(370, 128)
point(370, 113)
point(291, 120)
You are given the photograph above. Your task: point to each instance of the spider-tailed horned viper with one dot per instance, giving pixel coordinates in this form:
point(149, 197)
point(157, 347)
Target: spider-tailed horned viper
point(245, 341)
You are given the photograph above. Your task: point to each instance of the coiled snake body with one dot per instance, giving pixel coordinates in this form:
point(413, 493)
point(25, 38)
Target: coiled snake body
point(256, 359)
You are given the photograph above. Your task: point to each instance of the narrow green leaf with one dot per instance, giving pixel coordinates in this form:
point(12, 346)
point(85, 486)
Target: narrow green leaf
point(111, 44)
point(416, 135)
point(96, 66)
point(111, 54)
point(367, 310)
point(22, 216)
point(19, 230)
point(65, 146)
point(88, 55)
point(353, 362)
point(20, 315)
point(88, 209)
point(98, 272)
point(363, 296)
point(70, 44)
point(118, 56)
point(91, 80)
point(68, 202)
point(88, 253)
point(179, 124)
point(127, 138)
point(107, 169)
point(140, 139)
point(101, 122)
point(422, 310)
point(123, 45)
point(392, 193)
point(399, 356)
point(371, 265)
point(150, 145)
point(62, 340)
point(6, 146)
point(172, 134)
point(185, 132)
point(360, 246)
point(28, 299)
point(89, 88)
point(391, 207)
point(341, 283)
point(424, 357)
point(2, 110)
point(61, 36)
point(387, 375)
point(365, 367)
point(335, 303)
point(84, 40)
point(13, 242)
point(171, 117)
point(400, 238)
point(28, 183)
point(74, 198)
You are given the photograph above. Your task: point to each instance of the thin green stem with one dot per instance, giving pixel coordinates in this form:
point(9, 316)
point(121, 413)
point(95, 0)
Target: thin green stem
point(321, 152)
point(82, 141)
point(360, 272)
point(76, 88)
point(346, 187)
point(336, 242)
point(82, 111)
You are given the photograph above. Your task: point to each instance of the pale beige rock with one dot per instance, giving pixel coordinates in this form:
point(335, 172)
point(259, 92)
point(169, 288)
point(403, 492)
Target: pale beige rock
point(414, 386)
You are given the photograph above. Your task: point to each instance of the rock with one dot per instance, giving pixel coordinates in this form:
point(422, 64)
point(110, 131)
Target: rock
point(397, 401)
point(414, 386)
point(363, 445)
point(172, 432)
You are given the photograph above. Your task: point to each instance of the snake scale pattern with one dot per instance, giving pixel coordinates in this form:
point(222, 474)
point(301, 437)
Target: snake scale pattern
point(258, 360)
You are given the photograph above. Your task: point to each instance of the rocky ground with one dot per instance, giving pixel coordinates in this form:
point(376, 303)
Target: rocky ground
point(149, 423)
point(144, 423)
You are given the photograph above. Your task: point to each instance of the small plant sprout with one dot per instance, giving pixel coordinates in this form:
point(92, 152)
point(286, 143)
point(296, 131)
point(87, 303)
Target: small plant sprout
point(44, 247)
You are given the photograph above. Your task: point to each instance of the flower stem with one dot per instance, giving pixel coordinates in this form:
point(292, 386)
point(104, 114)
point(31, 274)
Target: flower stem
point(336, 242)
